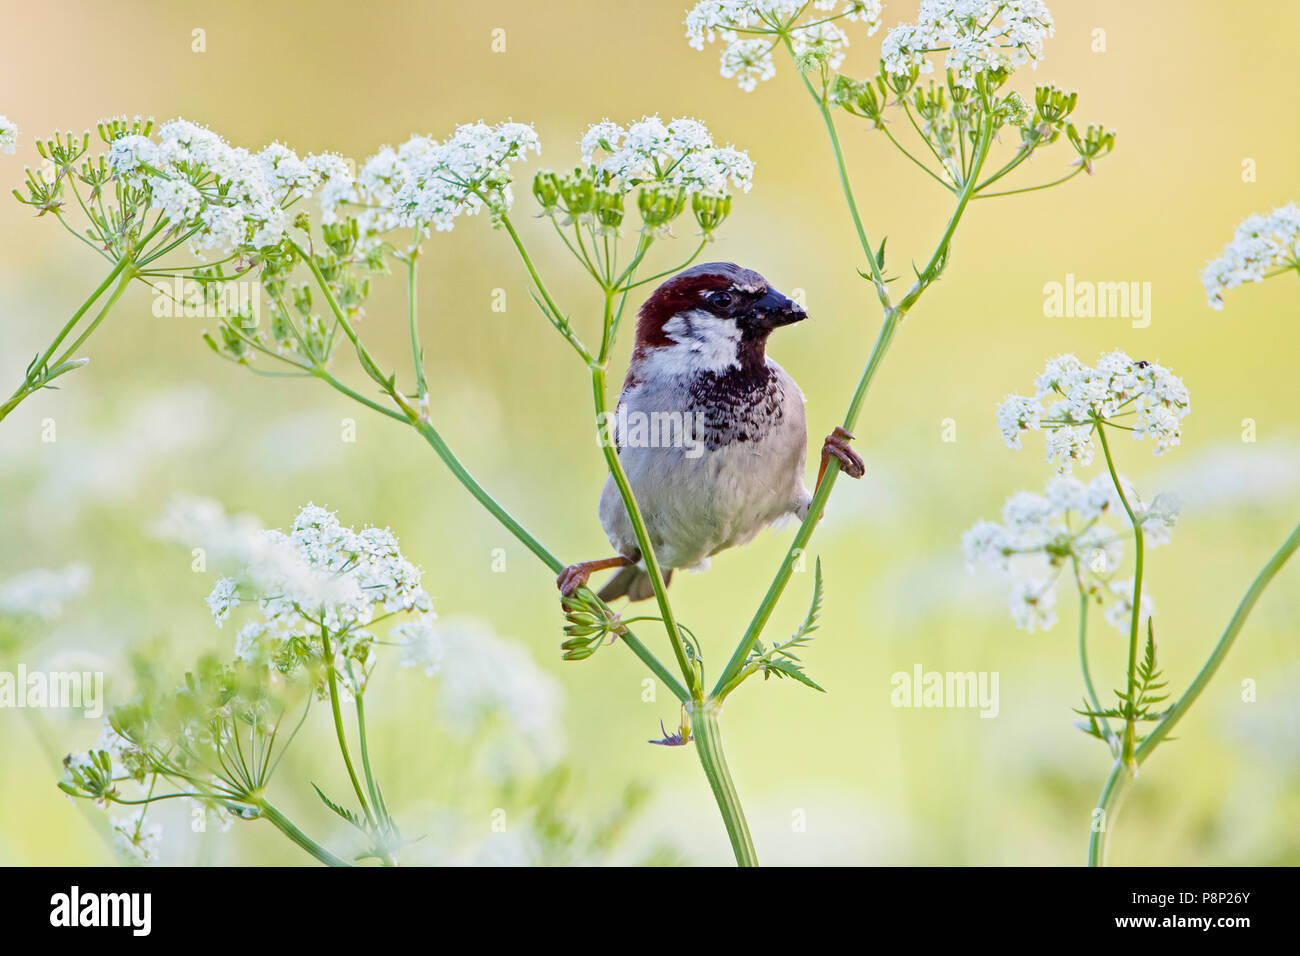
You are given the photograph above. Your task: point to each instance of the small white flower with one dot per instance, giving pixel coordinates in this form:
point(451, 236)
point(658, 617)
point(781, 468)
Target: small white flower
point(223, 599)
point(135, 840)
point(1261, 246)
point(8, 135)
point(1017, 414)
point(1033, 604)
point(421, 646)
point(1120, 612)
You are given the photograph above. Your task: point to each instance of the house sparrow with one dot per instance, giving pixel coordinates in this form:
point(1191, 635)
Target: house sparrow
point(736, 465)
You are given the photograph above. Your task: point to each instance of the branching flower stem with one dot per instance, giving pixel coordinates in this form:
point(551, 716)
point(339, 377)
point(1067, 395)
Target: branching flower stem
point(268, 812)
point(1129, 743)
point(1121, 775)
point(893, 316)
point(407, 414)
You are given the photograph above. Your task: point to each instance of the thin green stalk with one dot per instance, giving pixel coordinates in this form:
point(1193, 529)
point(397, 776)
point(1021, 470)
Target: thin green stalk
point(282, 823)
point(1135, 623)
point(332, 679)
point(462, 475)
point(30, 385)
point(1121, 775)
point(1107, 809)
point(124, 281)
point(412, 311)
point(1175, 713)
point(889, 326)
point(1093, 700)
point(371, 788)
point(705, 728)
point(648, 556)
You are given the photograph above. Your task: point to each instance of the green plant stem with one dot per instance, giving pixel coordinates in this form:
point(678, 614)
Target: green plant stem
point(440, 447)
point(889, 326)
point(332, 679)
point(412, 312)
point(1093, 700)
point(371, 788)
point(1135, 623)
point(1216, 658)
point(33, 384)
point(706, 729)
point(648, 556)
point(123, 281)
point(282, 823)
point(1120, 774)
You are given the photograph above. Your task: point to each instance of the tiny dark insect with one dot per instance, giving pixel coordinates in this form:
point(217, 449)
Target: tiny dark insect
point(1143, 363)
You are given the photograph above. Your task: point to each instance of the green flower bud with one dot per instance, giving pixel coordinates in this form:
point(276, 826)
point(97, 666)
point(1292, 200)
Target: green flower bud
point(546, 189)
point(608, 207)
point(710, 211)
point(660, 204)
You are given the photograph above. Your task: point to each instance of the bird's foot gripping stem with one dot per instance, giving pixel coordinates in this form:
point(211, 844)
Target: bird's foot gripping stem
point(575, 576)
point(837, 446)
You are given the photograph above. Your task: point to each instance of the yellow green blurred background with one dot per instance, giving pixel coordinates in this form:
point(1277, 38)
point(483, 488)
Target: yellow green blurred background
point(1194, 89)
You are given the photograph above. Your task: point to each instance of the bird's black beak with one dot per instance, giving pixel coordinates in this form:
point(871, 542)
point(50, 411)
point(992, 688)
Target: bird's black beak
point(775, 310)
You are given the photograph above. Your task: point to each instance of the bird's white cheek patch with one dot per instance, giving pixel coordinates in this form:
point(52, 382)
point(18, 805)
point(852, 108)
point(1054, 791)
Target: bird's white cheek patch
point(703, 343)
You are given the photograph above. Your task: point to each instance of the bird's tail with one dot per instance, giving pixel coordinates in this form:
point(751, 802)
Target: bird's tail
point(632, 581)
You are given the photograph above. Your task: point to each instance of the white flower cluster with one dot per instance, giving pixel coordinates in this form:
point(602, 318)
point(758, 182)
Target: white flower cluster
point(978, 36)
point(425, 183)
point(1262, 246)
point(1142, 396)
point(42, 593)
point(227, 196)
point(680, 153)
point(752, 29)
point(1065, 527)
point(321, 574)
point(8, 135)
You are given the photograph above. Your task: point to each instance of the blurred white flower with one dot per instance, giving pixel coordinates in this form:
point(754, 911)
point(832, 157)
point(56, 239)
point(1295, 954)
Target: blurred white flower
point(136, 840)
point(977, 36)
point(1033, 604)
point(492, 687)
point(1143, 397)
point(421, 645)
point(320, 575)
point(1120, 613)
point(42, 593)
point(1262, 246)
point(8, 135)
point(1065, 531)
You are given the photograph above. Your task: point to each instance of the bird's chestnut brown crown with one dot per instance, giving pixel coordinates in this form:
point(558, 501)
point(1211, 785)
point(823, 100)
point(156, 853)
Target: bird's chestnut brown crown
point(724, 291)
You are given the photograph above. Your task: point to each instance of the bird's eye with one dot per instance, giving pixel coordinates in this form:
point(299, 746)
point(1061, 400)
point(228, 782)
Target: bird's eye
point(721, 299)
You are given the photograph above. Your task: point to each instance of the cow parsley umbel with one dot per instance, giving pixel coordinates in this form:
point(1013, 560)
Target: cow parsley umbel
point(1066, 533)
point(751, 30)
point(322, 602)
point(1262, 246)
point(1072, 401)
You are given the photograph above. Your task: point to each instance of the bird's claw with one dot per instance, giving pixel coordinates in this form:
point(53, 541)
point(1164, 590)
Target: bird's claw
point(837, 447)
point(572, 578)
